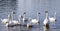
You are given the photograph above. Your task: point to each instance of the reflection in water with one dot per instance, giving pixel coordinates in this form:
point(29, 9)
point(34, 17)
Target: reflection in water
point(30, 29)
point(7, 28)
point(16, 28)
point(34, 28)
point(46, 28)
point(55, 24)
point(38, 29)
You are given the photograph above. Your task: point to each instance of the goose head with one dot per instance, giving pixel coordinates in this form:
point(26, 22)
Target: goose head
point(38, 12)
point(13, 12)
point(24, 14)
point(20, 16)
point(34, 21)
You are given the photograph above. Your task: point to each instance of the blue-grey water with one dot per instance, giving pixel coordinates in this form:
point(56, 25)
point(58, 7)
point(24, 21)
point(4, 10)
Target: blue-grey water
point(31, 7)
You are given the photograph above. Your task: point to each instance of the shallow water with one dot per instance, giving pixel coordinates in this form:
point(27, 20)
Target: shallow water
point(31, 7)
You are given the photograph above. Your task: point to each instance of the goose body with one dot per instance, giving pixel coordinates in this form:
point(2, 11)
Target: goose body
point(34, 21)
point(4, 21)
point(24, 19)
point(53, 19)
point(46, 20)
point(15, 22)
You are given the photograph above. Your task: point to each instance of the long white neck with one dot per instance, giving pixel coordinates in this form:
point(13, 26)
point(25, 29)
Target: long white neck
point(46, 15)
point(38, 16)
point(9, 17)
point(12, 15)
point(18, 19)
point(55, 15)
point(24, 16)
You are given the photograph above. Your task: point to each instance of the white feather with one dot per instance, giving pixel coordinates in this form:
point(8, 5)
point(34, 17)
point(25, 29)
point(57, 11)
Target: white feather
point(34, 21)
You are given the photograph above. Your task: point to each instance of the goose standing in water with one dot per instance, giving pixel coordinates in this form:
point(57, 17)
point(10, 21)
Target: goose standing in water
point(53, 19)
point(6, 21)
point(14, 21)
point(35, 21)
point(24, 17)
point(46, 20)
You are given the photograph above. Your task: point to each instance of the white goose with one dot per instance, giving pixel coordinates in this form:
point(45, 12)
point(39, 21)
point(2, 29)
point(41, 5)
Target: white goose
point(6, 21)
point(14, 21)
point(46, 20)
point(35, 21)
point(53, 19)
point(24, 17)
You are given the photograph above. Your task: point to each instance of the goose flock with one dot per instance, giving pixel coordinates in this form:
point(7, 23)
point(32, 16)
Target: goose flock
point(11, 22)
